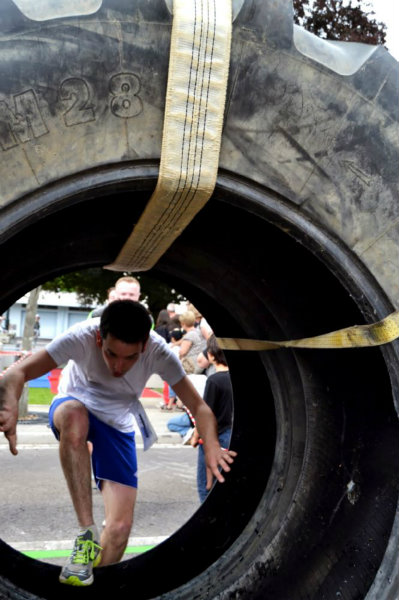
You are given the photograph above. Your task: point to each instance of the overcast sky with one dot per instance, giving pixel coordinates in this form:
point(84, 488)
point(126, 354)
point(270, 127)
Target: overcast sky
point(388, 12)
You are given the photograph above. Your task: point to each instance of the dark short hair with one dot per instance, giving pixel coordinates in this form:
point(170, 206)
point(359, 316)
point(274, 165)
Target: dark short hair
point(176, 334)
point(127, 321)
point(213, 347)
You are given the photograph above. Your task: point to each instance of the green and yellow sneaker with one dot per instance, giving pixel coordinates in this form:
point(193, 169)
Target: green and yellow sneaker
point(86, 554)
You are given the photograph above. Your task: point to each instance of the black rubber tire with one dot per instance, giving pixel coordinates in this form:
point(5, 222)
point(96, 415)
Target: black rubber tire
point(279, 252)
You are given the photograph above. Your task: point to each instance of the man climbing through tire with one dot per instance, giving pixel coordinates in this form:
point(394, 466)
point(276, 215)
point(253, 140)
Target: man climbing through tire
point(108, 365)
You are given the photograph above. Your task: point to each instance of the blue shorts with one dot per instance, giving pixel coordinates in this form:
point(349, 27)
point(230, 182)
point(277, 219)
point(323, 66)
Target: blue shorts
point(114, 452)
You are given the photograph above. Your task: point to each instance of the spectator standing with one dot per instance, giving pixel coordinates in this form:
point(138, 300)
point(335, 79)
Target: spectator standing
point(162, 328)
point(169, 395)
point(125, 288)
point(171, 308)
point(201, 322)
point(191, 343)
point(162, 325)
point(218, 395)
point(175, 322)
point(111, 296)
point(128, 288)
point(36, 328)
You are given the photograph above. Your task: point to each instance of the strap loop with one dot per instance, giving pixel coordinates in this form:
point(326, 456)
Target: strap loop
point(357, 336)
point(195, 100)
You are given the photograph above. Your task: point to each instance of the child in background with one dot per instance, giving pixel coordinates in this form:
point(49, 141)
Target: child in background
point(218, 395)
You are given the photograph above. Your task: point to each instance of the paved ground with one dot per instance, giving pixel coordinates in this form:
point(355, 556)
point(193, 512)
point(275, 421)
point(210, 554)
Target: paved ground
point(35, 501)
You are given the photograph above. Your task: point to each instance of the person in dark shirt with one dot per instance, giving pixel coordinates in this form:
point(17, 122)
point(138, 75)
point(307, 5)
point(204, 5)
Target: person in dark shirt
point(162, 325)
point(218, 395)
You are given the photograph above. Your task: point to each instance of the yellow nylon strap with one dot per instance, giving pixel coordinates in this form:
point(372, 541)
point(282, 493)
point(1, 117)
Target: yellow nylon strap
point(195, 100)
point(357, 336)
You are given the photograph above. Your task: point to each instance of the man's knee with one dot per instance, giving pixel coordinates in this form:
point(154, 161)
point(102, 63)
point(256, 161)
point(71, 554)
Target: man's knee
point(119, 531)
point(72, 420)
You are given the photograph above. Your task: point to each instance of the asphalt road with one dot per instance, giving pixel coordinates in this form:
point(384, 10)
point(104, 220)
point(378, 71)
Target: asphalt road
point(36, 511)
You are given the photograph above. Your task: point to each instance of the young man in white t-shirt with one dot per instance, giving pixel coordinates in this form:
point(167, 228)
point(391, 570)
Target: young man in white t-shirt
point(108, 365)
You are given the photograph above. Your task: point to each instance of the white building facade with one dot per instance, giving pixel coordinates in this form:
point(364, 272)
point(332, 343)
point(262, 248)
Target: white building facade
point(57, 312)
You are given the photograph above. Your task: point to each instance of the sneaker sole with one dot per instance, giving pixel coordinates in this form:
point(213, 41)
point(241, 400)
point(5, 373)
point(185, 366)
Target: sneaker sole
point(74, 580)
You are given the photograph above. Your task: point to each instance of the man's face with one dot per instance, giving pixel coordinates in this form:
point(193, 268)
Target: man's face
point(112, 296)
point(120, 356)
point(127, 291)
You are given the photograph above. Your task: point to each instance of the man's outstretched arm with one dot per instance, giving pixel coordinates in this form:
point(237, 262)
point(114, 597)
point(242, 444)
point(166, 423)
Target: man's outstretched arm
point(205, 420)
point(11, 388)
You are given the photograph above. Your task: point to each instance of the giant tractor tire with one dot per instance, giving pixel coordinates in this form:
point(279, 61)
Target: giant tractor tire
point(300, 237)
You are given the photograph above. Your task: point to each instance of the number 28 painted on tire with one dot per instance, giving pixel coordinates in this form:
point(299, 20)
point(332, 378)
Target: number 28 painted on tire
point(124, 99)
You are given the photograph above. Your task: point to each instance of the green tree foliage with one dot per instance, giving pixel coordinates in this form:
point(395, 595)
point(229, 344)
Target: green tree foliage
point(350, 21)
point(92, 284)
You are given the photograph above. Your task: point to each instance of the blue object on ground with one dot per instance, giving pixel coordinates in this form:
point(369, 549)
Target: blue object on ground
point(40, 382)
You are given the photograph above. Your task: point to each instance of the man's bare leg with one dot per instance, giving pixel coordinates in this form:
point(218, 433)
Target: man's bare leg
point(72, 421)
point(119, 502)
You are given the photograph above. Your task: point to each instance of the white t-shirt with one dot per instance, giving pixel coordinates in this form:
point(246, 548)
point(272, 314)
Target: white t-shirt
point(205, 328)
point(114, 400)
point(198, 381)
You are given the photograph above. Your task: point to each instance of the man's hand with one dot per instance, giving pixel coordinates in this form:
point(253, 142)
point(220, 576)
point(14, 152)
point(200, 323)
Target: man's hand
point(11, 388)
point(8, 419)
point(217, 458)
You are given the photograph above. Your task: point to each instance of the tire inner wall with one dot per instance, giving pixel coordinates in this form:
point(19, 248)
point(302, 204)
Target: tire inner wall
point(250, 279)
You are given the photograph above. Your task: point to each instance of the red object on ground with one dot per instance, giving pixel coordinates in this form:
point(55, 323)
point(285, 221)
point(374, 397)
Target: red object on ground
point(149, 393)
point(165, 393)
point(54, 378)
